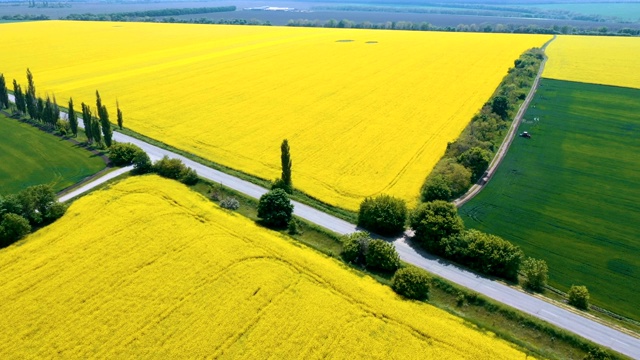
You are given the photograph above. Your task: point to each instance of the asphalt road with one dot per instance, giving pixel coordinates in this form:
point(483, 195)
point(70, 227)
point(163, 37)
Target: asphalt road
point(587, 328)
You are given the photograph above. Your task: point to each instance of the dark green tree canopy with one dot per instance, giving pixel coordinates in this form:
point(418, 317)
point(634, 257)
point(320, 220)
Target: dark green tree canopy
point(382, 256)
point(275, 209)
point(411, 282)
point(384, 214)
point(434, 221)
point(476, 159)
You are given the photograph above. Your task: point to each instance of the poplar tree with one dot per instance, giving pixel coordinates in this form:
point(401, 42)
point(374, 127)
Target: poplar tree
point(31, 87)
point(73, 119)
point(95, 132)
point(285, 159)
point(40, 104)
point(98, 102)
point(4, 93)
point(86, 121)
point(31, 105)
point(106, 125)
point(19, 97)
point(120, 120)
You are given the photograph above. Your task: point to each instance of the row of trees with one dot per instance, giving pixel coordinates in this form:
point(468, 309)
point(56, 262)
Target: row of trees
point(46, 112)
point(31, 208)
point(467, 158)
point(484, 27)
point(136, 15)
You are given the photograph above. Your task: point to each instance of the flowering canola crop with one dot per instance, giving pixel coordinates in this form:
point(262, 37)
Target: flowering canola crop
point(604, 60)
point(150, 269)
point(365, 111)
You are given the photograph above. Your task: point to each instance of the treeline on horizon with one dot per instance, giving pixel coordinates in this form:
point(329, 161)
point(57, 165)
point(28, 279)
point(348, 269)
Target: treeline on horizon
point(484, 27)
point(125, 16)
point(506, 10)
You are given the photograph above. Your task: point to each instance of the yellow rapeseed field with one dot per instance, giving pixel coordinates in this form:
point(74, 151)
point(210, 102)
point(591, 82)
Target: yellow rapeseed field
point(150, 269)
point(365, 111)
point(605, 60)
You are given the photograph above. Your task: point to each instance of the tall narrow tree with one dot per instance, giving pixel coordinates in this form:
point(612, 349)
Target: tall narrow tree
point(4, 93)
point(73, 119)
point(31, 86)
point(120, 119)
point(40, 104)
point(95, 132)
point(19, 97)
point(98, 102)
point(55, 111)
point(285, 159)
point(106, 125)
point(86, 121)
point(46, 115)
point(31, 105)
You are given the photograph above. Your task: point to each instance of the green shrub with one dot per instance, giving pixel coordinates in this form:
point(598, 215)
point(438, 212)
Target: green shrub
point(355, 247)
point(382, 255)
point(477, 160)
point(275, 209)
point(486, 253)
point(536, 273)
point(579, 297)
point(434, 221)
point(281, 184)
point(189, 176)
point(411, 282)
point(230, 203)
point(436, 188)
point(13, 228)
point(142, 163)
point(121, 154)
point(169, 168)
point(384, 214)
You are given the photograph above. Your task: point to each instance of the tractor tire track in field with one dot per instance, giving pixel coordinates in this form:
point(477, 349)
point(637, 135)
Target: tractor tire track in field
point(506, 143)
point(566, 319)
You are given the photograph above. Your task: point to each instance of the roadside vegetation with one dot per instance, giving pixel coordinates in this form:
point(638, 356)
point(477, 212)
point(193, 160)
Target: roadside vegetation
point(467, 158)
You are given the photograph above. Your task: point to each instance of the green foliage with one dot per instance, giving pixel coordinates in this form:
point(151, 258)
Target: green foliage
point(434, 221)
point(121, 154)
point(293, 228)
point(535, 272)
point(13, 228)
point(86, 120)
point(355, 247)
point(578, 296)
point(105, 124)
point(230, 203)
point(21, 102)
point(411, 282)
point(485, 132)
point(141, 163)
point(189, 176)
point(175, 169)
point(119, 114)
point(285, 182)
point(280, 184)
point(596, 353)
point(4, 93)
point(275, 209)
point(382, 255)
point(95, 132)
point(500, 106)
point(73, 118)
point(477, 160)
point(384, 214)
point(436, 188)
point(486, 253)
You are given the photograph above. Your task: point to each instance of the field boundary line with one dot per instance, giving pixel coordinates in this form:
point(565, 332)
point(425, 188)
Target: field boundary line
point(506, 143)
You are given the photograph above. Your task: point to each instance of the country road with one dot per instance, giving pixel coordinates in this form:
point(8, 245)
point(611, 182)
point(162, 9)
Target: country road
point(589, 329)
